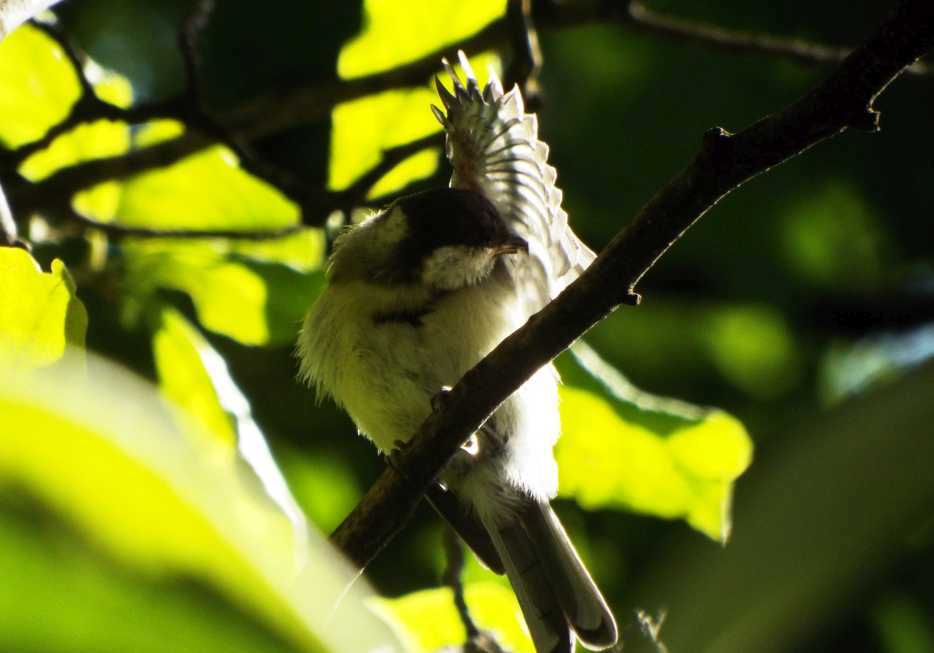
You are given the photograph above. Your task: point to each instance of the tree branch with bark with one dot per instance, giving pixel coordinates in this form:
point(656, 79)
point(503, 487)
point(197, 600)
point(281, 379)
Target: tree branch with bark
point(725, 161)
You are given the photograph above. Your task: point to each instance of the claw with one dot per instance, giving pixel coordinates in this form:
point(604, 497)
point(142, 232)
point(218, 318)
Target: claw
point(394, 457)
point(438, 401)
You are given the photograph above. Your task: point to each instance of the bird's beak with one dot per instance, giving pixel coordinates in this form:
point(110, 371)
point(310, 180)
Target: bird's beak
point(511, 246)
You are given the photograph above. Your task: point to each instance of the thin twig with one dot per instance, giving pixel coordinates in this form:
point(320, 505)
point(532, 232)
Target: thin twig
point(724, 162)
point(477, 640)
point(799, 50)
point(526, 53)
point(118, 230)
point(454, 552)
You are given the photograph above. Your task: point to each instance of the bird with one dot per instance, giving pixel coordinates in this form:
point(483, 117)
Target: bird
point(422, 290)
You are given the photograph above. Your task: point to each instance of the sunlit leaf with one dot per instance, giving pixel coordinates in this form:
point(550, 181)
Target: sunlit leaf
point(86, 141)
point(39, 312)
point(624, 448)
point(39, 86)
point(391, 37)
point(104, 458)
point(363, 128)
point(428, 620)
point(254, 301)
point(203, 191)
point(194, 377)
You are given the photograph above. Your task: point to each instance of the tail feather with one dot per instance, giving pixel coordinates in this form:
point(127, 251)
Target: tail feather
point(581, 601)
point(555, 591)
point(543, 614)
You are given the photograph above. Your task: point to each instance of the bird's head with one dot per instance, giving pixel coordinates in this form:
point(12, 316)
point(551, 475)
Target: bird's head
point(444, 239)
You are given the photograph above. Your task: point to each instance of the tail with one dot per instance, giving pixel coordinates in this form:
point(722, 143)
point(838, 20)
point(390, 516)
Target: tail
point(556, 593)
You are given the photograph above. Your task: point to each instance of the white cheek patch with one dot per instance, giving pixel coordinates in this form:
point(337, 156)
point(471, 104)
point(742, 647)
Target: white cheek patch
point(456, 266)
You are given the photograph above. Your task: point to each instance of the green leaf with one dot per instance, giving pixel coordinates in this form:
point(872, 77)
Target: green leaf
point(206, 190)
point(156, 503)
point(39, 86)
point(325, 487)
point(363, 128)
point(428, 620)
point(61, 596)
point(621, 447)
point(750, 346)
point(39, 313)
point(391, 37)
point(239, 291)
point(194, 377)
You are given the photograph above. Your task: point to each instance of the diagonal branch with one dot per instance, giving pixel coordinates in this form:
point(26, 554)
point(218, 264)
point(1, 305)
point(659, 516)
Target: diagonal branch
point(724, 162)
point(804, 52)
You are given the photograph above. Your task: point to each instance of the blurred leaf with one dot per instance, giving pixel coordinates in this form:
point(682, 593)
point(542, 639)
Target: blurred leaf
point(363, 128)
point(832, 238)
point(325, 488)
point(39, 312)
point(749, 345)
point(817, 525)
point(163, 504)
point(60, 596)
point(621, 447)
point(194, 377)
point(39, 86)
point(752, 347)
point(903, 626)
point(253, 300)
point(184, 379)
point(428, 620)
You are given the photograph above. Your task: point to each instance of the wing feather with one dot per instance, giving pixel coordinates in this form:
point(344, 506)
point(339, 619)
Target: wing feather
point(493, 146)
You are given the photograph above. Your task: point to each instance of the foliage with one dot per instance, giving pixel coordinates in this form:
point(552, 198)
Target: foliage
point(194, 500)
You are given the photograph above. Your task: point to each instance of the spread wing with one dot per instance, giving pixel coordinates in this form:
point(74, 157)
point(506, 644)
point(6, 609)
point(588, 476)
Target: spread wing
point(493, 145)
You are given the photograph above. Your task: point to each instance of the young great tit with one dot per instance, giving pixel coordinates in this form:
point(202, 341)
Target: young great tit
point(417, 295)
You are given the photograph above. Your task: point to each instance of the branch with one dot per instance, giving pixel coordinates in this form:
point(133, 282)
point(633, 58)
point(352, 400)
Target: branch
point(724, 162)
point(526, 53)
point(805, 52)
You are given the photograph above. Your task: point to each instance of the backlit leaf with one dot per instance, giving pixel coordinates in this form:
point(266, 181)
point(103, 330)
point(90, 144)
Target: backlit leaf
point(248, 298)
point(428, 620)
point(194, 377)
point(363, 128)
point(39, 312)
point(39, 86)
point(621, 447)
point(157, 503)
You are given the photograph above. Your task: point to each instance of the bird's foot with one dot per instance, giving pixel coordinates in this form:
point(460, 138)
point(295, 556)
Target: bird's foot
point(394, 457)
point(440, 399)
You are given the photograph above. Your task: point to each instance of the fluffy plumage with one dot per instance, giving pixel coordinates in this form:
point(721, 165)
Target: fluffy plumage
point(421, 292)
